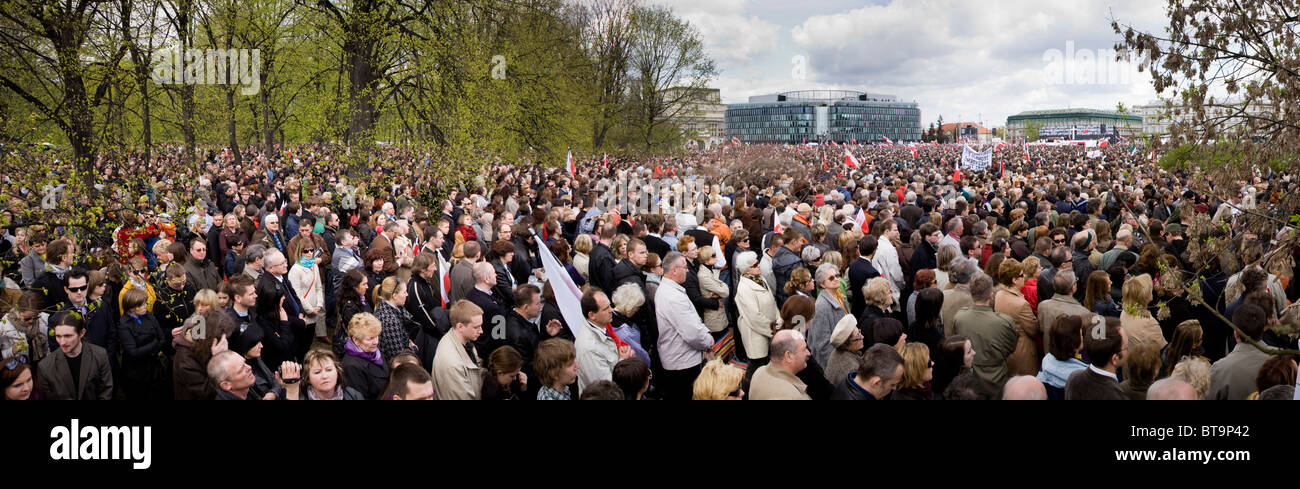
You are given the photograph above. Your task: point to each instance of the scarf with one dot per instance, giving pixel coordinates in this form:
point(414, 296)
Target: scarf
point(353, 350)
point(338, 394)
point(306, 262)
point(58, 271)
point(837, 295)
point(36, 341)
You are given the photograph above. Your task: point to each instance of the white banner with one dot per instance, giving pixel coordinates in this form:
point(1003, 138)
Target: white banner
point(567, 295)
point(976, 160)
point(1096, 153)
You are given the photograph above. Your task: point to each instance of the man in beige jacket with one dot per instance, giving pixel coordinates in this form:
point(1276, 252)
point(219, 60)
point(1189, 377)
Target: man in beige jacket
point(789, 355)
point(456, 372)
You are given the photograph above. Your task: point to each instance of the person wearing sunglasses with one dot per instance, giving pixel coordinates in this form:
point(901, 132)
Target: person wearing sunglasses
point(77, 369)
point(17, 381)
point(137, 277)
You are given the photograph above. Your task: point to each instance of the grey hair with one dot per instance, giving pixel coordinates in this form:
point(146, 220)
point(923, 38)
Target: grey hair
point(811, 254)
point(628, 298)
point(962, 270)
point(215, 371)
point(483, 270)
point(254, 252)
point(981, 288)
point(824, 271)
point(745, 261)
point(671, 260)
point(880, 361)
point(1064, 281)
point(1172, 389)
point(270, 256)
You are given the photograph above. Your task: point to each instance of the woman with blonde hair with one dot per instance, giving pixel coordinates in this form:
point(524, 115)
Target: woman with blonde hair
point(1136, 320)
point(878, 294)
point(390, 308)
point(363, 364)
point(943, 261)
point(581, 247)
point(1194, 371)
point(719, 382)
point(918, 371)
point(800, 283)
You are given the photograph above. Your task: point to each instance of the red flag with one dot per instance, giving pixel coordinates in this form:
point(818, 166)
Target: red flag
point(850, 160)
point(444, 280)
point(568, 163)
point(1103, 143)
point(913, 148)
point(735, 141)
point(1026, 153)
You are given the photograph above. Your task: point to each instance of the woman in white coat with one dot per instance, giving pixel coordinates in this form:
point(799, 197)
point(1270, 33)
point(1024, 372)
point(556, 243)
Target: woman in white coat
point(306, 283)
point(757, 307)
point(712, 286)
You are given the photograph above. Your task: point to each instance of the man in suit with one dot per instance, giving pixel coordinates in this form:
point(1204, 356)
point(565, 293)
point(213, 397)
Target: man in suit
point(601, 263)
point(957, 298)
point(77, 370)
point(503, 289)
point(1061, 304)
point(1107, 346)
point(653, 239)
point(485, 277)
point(1233, 376)
point(462, 273)
point(384, 242)
point(992, 335)
point(860, 271)
point(275, 294)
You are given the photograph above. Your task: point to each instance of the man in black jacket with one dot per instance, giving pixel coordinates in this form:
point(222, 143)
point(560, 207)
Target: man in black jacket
point(485, 278)
point(277, 339)
point(521, 332)
point(423, 290)
point(601, 262)
point(653, 240)
point(525, 259)
point(628, 269)
point(503, 289)
point(58, 257)
point(860, 271)
point(274, 295)
point(1107, 345)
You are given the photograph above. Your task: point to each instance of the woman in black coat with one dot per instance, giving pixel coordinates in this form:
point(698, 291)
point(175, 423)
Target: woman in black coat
point(351, 301)
point(363, 364)
point(146, 372)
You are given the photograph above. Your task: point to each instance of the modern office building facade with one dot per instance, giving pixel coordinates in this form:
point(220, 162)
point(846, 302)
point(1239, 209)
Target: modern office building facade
point(1060, 124)
point(816, 115)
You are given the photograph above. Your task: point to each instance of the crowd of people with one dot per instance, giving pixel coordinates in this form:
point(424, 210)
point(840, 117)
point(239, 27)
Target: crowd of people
point(754, 272)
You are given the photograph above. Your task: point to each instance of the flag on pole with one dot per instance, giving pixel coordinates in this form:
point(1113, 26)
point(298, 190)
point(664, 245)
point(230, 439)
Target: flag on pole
point(1103, 143)
point(855, 142)
point(568, 163)
point(860, 220)
point(735, 141)
point(605, 159)
point(913, 148)
point(824, 161)
point(887, 141)
point(850, 160)
point(1026, 153)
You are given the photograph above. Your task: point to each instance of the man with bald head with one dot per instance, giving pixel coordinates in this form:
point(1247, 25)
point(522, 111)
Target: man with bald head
point(274, 295)
point(788, 355)
point(485, 277)
point(1172, 389)
point(1123, 241)
point(1024, 388)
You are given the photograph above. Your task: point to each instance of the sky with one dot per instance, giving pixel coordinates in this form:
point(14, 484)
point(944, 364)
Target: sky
point(967, 61)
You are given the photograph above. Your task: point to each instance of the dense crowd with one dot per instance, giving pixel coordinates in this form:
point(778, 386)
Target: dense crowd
point(753, 272)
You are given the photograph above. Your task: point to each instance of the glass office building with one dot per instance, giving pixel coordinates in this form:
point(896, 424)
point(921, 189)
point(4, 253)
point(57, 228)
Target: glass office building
point(816, 115)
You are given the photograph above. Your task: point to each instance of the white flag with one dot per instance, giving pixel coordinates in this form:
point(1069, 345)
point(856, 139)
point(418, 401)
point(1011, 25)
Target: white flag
point(567, 295)
point(976, 160)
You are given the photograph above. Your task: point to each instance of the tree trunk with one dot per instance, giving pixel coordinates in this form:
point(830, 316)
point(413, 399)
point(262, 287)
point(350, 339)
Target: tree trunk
point(230, 125)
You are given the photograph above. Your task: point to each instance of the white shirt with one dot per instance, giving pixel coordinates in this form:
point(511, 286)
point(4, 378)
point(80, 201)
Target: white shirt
point(1102, 372)
point(682, 335)
point(886, 262)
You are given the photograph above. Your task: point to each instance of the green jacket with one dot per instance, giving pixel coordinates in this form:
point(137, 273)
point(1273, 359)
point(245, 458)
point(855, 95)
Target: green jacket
point(993, 336)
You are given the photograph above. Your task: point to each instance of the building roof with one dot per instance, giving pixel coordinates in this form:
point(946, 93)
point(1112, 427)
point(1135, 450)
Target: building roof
point(953, 125)
point(1072, 112)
